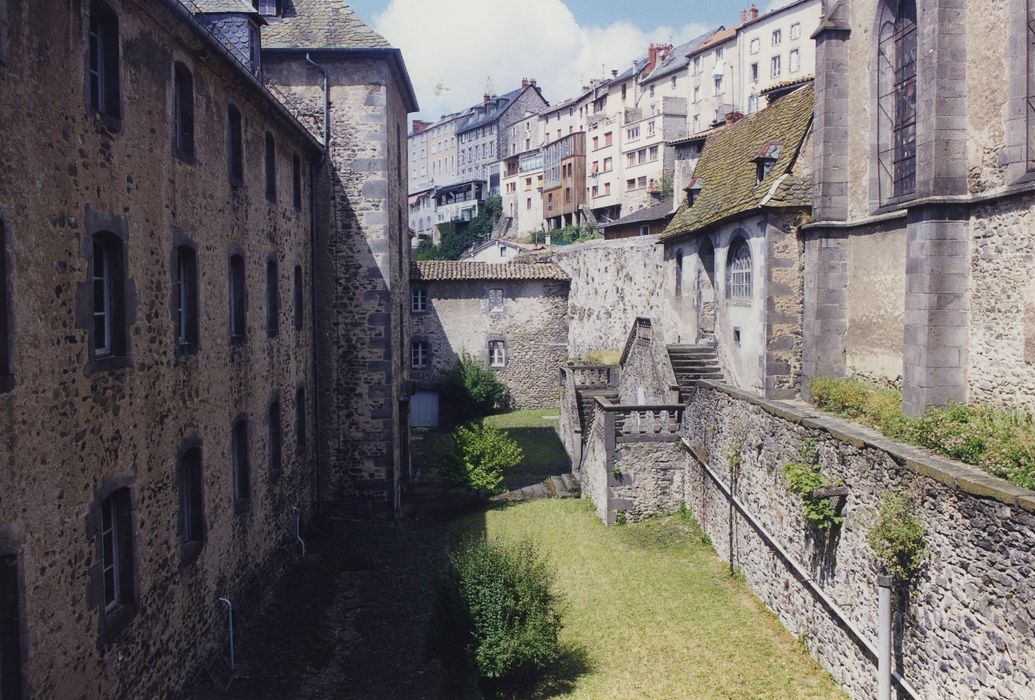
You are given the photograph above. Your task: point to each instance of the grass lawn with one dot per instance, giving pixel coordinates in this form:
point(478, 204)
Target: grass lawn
point(650, 612)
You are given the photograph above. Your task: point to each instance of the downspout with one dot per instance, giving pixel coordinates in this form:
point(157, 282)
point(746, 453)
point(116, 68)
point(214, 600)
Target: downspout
point(314, 172)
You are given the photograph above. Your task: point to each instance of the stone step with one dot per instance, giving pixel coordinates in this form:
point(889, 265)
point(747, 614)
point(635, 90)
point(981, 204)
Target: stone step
point(571, 483)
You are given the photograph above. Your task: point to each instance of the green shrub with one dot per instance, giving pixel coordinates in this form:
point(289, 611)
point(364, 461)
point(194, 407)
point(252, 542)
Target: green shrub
point(471, 391)
point(999, 442)
point(803, 478)
point(573, 234)
point(897, 538)
point(507, 593)
point(481, 454)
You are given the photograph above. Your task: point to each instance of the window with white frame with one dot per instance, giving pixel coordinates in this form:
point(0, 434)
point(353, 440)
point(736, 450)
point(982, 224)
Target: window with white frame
point(755, 45)
point(793, 61)
point(738, 270)
point(777, 37)
point(697, 93)
point(754, 72)
point(774, 67)
point(109, 310)
point(419, 354)
point(497, 353)
point(795, 31)
point(418, 300)
point(718, 85)
point(116, 550)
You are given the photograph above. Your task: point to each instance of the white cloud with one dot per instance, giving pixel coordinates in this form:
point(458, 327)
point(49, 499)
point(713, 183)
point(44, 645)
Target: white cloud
point(777, 4)
point(455, 49)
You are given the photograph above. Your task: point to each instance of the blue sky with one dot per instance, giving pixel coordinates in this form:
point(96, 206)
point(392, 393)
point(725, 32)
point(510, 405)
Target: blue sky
point(456, 50)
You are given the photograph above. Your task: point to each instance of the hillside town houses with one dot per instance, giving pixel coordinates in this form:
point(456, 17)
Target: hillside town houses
point(611, 150)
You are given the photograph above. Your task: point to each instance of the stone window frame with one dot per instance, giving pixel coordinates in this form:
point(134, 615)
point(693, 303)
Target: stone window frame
point(10, 548)
point(296, 181)
point(190, 549)
point(272, 296)
point(184, 141)
point(238, 336)
point(182, 241)
point(1018, 155)
point(112, 622)
point(111, 112)
point(116, 228)
point(298, 297)
point(679, 274)
point(235, 157)
point(426, 356)
point(241, 462)
point(891, 40)
point(491, 308)
point(7, 326)
point(492, 340)
point(301, 426)
point(275, 437)
point(739, 241)
point(269, 168)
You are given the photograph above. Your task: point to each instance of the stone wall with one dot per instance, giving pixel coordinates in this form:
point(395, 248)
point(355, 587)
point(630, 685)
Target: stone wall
point(963, 631)
point(533, 324)
point(612, 283)
point(71, 429)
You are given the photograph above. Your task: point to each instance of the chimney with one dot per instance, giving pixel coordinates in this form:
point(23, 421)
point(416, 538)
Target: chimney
point(419, 126)
point(733, 117)
point(614, 74)
point(743, 16)
point(533, 82)
point(652, 59)
point(486, 98)
point(524, 83)
point(753, 12)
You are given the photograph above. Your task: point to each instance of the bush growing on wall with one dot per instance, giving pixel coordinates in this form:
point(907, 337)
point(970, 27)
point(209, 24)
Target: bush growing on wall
point(471, 391)
point(481, 456)
point(507, 593)
point(803, 478)
point(457, 237)
point(897, 538)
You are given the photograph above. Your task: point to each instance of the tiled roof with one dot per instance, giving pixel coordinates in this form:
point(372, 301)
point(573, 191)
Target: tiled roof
point(225, 6)
point(679, 58)
point(323, 24)
point(784, 84)
point(728, 174)
point(716, 38)
point(451, 270)
point(659, 211)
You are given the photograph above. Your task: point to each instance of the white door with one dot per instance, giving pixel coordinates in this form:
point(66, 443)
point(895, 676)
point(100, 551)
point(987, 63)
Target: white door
point(424, 409)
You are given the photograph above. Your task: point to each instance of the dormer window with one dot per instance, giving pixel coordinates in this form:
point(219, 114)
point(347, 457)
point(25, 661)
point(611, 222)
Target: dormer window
point(765, 160)
point(694, 189)
point(268, 8)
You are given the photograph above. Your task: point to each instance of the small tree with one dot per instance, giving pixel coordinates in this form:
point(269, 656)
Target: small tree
point(482, 454)
point(898, 538)
point(471, 390)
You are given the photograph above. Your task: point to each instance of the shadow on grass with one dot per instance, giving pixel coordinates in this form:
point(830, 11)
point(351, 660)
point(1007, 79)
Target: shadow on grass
point(558, 679)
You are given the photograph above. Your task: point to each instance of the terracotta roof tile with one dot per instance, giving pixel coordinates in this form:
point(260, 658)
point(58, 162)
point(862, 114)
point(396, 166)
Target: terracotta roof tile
point(324, 24)
point(729, 177)
point(449, 270)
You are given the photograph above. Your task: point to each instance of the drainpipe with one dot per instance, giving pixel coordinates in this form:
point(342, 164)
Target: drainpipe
point(884, 584)
point(314, 172)
point(298, 529)
point(230, 618)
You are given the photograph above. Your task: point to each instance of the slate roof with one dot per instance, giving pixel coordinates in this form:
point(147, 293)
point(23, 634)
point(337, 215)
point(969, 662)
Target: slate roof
point(453, 270)
point(502, 103)
point(225, 6)
point(323, 24)
point(638, 65)
point(679, 57)
point(728, 174)
point(654, 213)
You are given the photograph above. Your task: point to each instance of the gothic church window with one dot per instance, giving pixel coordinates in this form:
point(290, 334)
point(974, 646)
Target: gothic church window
point(738, 270)
point(897, 97)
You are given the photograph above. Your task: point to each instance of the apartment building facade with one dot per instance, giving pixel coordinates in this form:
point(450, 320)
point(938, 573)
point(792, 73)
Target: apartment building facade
point(775, 48)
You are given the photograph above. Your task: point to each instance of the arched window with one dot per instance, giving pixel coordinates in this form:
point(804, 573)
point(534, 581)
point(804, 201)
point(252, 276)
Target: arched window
point(897, 86)
point(679, 273)
point(738, 270)
point(192, 504)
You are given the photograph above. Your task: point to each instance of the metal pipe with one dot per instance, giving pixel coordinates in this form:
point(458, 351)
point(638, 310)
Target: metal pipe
point(230, 617)
point(326, 107)
point(298, 529)
point(884, 584)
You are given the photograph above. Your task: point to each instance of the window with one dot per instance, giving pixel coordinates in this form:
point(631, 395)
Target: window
point(653, 153)
point(645, 230)
point(300, 421)
point(418, 300)
point(5, 310)
point(235, 145)
point(718, 54)
point(795, 31)
point(897, 95)
point(608, 138)
point(109, 304)
point(630, 184)
point(116, 550)
point(185, 300)
point(754, 45)
point(103, 63)
point(238, 327)
point(272, 300)
point(241, 465)
point(754, 72)
point(673, 82)
point(271, 167)
point(641, 182)
point(738, 270)
point(296, 182)
point(650, 128)
point(495, 299)
point(697, 65)
point(299, 299)
point(697, 93)
point(774, 67)
point(679, 273)
point(596, 142)
point(10, 629)
point(275, 439)
point(192, 505)
point(630, 159)
point(528, 203)
point(777, 37)
point(696, 123)
point(608, 165)
point(652, 91)
point(497, 354)
point(718, 85)
point(752, 103)
point(794, 61)
point(183, 112)
point(633, 133)
point(419, 354)
point(268, 8)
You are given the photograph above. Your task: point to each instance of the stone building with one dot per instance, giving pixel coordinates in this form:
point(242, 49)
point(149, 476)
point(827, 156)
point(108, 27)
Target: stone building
point(484, 137)
point(923, 204)
point(732, 247)
point(162, 203)
point(512, 316)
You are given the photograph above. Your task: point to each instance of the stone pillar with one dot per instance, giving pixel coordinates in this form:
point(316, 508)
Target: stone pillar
point(830, 121)
point(937, 274)
point(826, 304)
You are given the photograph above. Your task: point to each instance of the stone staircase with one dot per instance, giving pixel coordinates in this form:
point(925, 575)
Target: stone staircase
point(561, 486)
point(588, 403)
point(691, 364)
